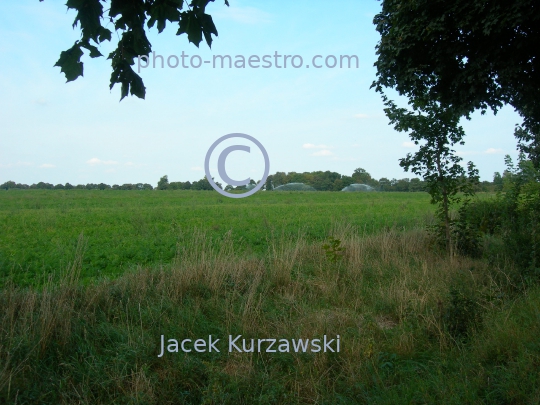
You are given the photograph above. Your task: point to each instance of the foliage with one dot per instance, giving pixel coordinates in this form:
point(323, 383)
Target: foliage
point(467, 232)
point(514, 216)
point(332, 181)
point(90, 186)
point(321, 181)
point(333, 249)
point(204, 184)
point(163, 183)
point(498, 181)
point(361, 176)
point(465, 54)
point(129, 186)
point(461, 315)
point(436, 129)
point(130, 20)
point(521, 222)
point(268, 185)
point(179, 185)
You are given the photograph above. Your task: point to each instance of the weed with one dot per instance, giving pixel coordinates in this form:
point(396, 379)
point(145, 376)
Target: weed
point(333, 249)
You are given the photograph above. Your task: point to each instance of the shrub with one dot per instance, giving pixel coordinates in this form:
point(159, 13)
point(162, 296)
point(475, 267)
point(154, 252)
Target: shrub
point(461, 315)
point(514, 216)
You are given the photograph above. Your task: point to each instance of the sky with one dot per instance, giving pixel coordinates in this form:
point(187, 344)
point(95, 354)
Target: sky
point(306, 118)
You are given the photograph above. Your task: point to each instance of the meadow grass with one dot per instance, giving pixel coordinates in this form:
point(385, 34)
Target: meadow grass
point(416, 326)
point(389, 298)
point(123, 229)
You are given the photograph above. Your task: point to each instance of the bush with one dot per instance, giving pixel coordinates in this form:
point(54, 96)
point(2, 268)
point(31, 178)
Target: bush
point(513, 215)
point(461, 315)
point(475, 219)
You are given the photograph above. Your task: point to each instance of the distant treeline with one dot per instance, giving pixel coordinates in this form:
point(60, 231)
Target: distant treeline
point(321, 181)
point(163, 184)
point(90, 186)
point(332, 181)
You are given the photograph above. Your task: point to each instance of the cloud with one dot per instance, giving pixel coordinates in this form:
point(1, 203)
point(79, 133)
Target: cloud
point(196, 169)
point(491, 151)
point(361, 116)
point(129, 164)
point(47, 166)
point(40, 101)
point(324, 152)
point(96, 161)
point(408, 144)
point(313, 146)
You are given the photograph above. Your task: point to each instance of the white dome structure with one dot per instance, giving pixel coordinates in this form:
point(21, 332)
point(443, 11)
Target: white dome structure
point(294, 187)
point(358, 187)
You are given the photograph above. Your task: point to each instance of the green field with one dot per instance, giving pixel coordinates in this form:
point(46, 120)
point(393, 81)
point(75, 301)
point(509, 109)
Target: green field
point(39, 229)
point(82, 316)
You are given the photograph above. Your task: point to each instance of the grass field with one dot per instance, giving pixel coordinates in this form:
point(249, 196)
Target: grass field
point(415, 326)
point(39, 229)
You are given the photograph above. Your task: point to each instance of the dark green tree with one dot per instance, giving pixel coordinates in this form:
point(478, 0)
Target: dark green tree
point(347, 180)
point(8, 184)
point(43, 186)
point(279, 179)
point(163, 183)
point(498, 181)
point(179, 185)
point(416, 184)
point(402, 185)
point(131, 20)
point(204, 184)
point(361, 176)
point(145, 186)
point(337, 185)
point(384, 184)
point(268, 186)
point(465, 54)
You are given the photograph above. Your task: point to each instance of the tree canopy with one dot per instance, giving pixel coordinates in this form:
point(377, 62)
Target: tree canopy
point(131, 19)
point(465, 54)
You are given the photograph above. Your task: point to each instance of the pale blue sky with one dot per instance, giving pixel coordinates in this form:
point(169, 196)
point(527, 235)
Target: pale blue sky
point(79, 132)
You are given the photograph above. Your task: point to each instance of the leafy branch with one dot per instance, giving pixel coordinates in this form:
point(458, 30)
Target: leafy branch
point(129, 18)
point(333, 249)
